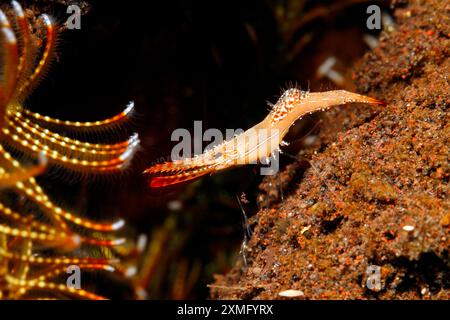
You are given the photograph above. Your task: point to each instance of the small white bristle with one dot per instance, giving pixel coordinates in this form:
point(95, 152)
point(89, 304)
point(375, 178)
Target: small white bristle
point(408, 228)
point(141, 243)
point(110, 268)
point(130, 272)
point(43, 161)
point(76, 240)
point(326, 66)
point(3, 19)
point(371, 41)
point(141, 293)
point(9, 36)
point(270, 104)
point(133, 138)
point(175, 205)
point(47, 19)
point(129, 108)
point(118, 225)
point(388, 22)
point(119, 241)
point(129, 152)
point(17, 9)
point(291, 293)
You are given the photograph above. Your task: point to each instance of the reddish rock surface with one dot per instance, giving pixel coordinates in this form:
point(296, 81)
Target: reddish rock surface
point(374, 190)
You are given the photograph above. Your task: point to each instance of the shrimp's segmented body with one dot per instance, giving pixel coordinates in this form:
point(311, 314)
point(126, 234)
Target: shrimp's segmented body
point(257, 143)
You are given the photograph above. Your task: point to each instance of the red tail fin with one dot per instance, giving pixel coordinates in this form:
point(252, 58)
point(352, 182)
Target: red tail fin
point(172, 173)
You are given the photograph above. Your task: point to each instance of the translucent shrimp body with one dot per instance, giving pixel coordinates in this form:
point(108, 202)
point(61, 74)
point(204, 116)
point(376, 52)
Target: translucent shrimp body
point(258, 143)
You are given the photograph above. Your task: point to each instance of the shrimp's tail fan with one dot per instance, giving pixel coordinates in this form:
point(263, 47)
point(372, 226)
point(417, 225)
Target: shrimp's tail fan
point(174, 173)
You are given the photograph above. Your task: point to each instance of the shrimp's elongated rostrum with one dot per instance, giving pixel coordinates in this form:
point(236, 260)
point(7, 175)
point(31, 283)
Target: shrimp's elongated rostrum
point(38, 239)
point(258, 143)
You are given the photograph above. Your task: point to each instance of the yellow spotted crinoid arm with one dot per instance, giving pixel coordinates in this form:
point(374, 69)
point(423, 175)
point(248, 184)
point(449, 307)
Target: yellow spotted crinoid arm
point(77, 126)
point(33, 133)
point(38, 238)
point(10, 58)
point(13, 172)
point(32, 73)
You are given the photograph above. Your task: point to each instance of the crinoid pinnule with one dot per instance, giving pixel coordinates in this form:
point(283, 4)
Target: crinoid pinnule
point(38, 239)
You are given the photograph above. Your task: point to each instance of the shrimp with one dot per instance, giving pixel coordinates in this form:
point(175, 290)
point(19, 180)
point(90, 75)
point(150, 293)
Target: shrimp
point(257, 144)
